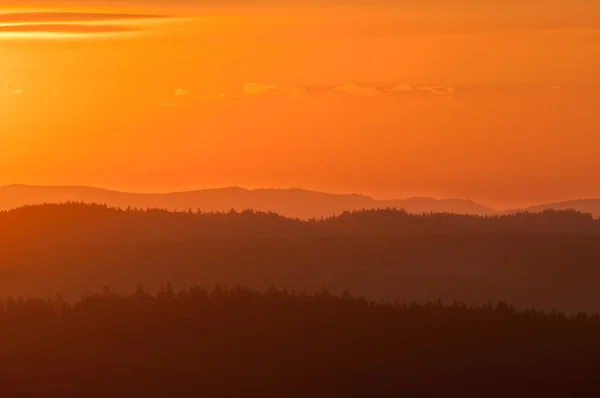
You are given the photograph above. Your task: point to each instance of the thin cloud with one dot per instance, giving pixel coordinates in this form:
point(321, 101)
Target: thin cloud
point(359, 91)
point(255, 89)
point(58, 17)
point(19, 91)
point(438, 90)
point(180, 92)
point(64, 28)
point(401, 88)
point(73, 23)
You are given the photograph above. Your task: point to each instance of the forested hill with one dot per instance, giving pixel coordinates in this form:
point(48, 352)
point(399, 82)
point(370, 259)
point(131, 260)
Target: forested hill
point(241, 343)
point(74, 222)
point(547, 260)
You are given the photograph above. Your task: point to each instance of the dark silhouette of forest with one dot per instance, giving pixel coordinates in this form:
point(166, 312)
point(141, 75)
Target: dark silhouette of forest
point(545, 260)
point(310, 337)
point(74, 222)
point(239, 342)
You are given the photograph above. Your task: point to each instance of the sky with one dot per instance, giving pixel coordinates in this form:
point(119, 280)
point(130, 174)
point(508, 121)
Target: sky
point(467, 99)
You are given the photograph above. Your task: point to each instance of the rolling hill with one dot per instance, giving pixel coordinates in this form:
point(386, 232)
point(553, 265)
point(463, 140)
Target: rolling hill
point(298, 203)
point(591, 206)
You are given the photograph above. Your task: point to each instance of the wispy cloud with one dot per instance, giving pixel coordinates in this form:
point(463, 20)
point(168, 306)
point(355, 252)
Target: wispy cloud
point(401, 88)
point(355, 90)
point(439, 90)
point(376, 91)
point(254, 89)
point(180, 92)
point(64, 28)
point(39, 17)
point(70, 23)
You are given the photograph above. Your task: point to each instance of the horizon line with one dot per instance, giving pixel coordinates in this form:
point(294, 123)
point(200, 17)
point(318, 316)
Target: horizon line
point(348, 194)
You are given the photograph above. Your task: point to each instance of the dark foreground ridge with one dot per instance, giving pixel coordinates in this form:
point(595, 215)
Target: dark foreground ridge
point(242, 343)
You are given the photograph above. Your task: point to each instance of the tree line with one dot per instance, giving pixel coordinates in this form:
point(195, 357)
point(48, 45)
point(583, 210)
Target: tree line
point(93, 223)
point(241, 342)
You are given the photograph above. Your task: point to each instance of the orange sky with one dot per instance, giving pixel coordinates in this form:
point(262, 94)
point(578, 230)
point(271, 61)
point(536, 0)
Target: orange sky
point(497, 103)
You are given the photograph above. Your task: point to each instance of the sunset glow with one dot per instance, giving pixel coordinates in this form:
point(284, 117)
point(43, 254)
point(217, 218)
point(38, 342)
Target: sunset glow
point(299, 198)
point(496, 103)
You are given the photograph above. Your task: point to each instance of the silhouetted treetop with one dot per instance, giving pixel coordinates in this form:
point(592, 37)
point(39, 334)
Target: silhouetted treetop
point(90, 222)
point(240, 342)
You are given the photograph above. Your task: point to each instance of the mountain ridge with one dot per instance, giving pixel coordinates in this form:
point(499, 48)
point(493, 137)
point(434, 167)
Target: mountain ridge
point(591, 206)
point(292, 202)
point(289, 202)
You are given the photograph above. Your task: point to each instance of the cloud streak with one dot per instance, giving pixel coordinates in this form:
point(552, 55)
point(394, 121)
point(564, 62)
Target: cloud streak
point(255, 89)
point(401, 88)
point(64, 28)
point(355, 90)
point(438, 90)
point(57, 17)
point(74, 23)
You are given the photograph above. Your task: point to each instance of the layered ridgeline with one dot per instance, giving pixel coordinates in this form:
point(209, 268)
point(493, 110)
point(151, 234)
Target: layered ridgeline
point(591, 206)
point(545, 260)
point(298, 203)
point(91, 223)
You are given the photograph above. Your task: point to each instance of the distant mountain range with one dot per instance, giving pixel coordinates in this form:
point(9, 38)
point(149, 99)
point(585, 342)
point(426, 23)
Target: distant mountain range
point(298, 203)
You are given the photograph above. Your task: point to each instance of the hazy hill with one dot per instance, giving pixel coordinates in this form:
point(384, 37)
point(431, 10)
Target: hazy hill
point(591, 206)
point(299, 203)
point(544, 260)
point(420, 205)
point(70, 223)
